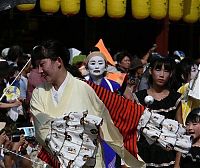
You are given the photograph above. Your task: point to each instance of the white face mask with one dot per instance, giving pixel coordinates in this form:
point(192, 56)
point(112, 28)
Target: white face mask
point(96, 66)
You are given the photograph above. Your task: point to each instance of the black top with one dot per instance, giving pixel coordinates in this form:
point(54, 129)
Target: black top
point(3, 112)
point(154, 155)
point(166, 106)
point(191, 159)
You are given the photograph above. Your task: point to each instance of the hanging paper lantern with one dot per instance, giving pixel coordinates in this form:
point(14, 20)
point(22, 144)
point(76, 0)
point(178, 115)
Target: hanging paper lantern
point(49, 6)
point(116, 8)
point(191, 11)
point(95, 8)
point(158, 9)
point(70, 7)
point(175, 10)
point(25, 7)
point(140, 8)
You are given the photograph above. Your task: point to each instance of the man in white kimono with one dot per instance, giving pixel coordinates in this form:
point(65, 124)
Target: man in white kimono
point(63, 94)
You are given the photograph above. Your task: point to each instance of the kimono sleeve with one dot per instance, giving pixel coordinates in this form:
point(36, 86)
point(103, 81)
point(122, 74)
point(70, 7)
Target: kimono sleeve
point(41, 120)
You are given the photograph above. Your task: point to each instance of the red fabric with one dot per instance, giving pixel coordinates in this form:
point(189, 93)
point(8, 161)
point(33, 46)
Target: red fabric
point(124, 113)
point(48, 158)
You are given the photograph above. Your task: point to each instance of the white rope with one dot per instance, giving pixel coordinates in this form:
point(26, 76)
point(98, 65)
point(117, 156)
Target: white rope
point(7, 150)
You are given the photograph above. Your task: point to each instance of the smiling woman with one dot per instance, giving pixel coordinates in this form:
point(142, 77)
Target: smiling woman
point(67, 94)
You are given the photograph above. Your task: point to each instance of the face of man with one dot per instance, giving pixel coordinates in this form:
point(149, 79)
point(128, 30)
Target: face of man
point(125, 63)
point(96, 66)
point(48, 69)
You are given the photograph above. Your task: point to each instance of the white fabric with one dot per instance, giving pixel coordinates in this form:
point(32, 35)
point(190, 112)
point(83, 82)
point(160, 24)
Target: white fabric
point(23, 82)
point(4, 52)
point(57, 94)
point(2, 125)
point(73, 139)
point(13, 113)
point(73, 52)
point(195, 86)
point(167, 133)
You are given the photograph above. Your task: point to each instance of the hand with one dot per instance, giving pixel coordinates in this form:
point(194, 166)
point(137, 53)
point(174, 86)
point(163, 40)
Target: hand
point(16, 145)
point(22, 140)
point(17, 103)
point(25, 145)
point(152, 49)
point(8, 143)
point(3, 138)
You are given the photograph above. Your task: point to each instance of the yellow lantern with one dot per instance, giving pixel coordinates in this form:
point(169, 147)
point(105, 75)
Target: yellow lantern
point(25, 7)
point(70, 7)
point(158, 9)
point(95, 8)
point(140, 8)
point(175, 10)
point(191, 11)
point(49, 6)
point(116, 8)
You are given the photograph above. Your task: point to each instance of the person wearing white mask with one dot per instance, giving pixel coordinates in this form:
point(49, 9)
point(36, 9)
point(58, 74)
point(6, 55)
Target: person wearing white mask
point(96, 65)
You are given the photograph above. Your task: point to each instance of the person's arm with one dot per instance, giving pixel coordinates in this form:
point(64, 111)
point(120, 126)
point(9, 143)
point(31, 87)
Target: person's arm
point(179, 114)
point(42, 121)
point(128, 94)
point(8, 160)
point(24, 163)
point(16, 145)
point(177, 160)
point(180, 120)
point(10, 105)
point(147, 55)
point(3, 137)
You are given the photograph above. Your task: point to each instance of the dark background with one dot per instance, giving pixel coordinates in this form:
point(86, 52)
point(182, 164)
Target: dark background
point(82, 32)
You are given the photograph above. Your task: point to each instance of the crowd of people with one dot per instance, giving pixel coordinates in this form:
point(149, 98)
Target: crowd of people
point(85, 111)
